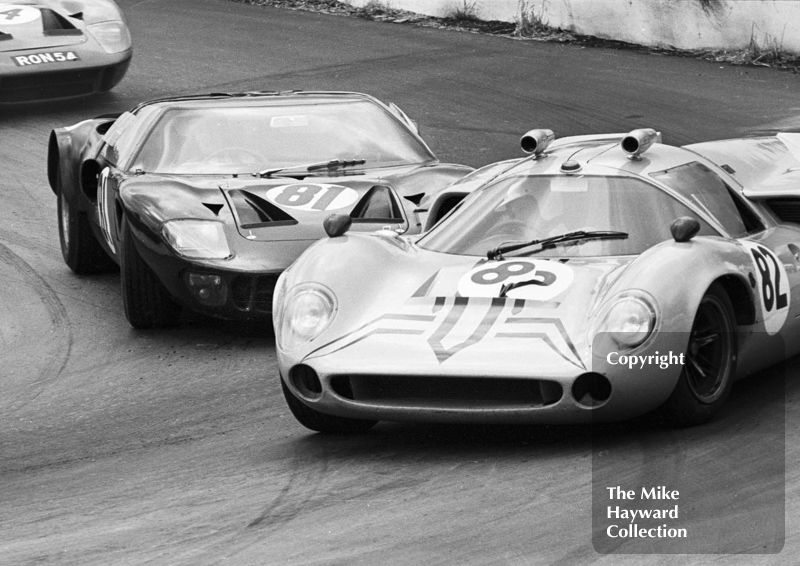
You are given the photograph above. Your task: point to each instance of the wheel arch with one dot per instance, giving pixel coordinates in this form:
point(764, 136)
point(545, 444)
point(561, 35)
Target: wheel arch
point(58, 150)
point(741, 295)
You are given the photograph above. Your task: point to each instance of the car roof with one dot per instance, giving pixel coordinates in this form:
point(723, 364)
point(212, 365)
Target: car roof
point(604, 157)
point(277, 97)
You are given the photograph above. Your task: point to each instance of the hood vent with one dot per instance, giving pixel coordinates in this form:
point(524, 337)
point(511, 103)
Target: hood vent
point(787, 209)
point(55, 24)
point(378, 205)
point(252, 211)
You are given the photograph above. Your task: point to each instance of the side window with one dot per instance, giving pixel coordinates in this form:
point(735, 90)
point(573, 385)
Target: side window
point(113, 134)
point(706, 190)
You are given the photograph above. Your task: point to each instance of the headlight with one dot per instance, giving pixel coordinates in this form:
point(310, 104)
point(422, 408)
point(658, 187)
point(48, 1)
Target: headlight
point(114, 37)
point(305, 313)
point(629, 319)
point(197, 239)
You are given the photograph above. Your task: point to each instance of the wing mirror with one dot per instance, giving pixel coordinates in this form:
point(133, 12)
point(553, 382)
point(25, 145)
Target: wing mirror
point(337, 224)
point(684, 228)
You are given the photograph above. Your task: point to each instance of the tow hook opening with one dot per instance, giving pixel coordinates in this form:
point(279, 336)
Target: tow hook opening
point(591, 390)
point(306, 381)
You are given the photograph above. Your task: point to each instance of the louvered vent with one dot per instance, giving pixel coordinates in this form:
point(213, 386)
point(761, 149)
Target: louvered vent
point(787, 209)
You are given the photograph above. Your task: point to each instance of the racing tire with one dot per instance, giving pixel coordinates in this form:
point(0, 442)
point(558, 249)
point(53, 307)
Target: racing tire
point(81, 251)
point(147, 302)
point(710, 363)
point(321, 422)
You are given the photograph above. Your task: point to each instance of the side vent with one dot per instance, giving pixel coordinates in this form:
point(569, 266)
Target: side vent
point(89, 179)
point(215, 208)
point(787, 209)
point(252, 211)
point(379, 206)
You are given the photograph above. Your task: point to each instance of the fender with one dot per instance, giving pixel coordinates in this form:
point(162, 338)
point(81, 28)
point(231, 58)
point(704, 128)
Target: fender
point(677, 275)
point(147, 209)
point(67, 148)
point(360, 253)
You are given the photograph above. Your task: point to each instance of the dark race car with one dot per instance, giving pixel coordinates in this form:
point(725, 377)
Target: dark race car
point(204, 200)
point(52, 49)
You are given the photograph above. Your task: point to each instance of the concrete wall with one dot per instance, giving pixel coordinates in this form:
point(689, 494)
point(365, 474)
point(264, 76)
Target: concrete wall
point(684, 24)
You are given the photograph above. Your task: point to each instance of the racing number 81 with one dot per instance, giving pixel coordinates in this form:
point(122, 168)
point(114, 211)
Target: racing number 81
point(301, 195)
point(769, 292)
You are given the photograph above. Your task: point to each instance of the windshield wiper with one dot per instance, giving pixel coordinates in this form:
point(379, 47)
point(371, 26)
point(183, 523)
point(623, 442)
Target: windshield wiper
point(317, 166)
point(544, 243)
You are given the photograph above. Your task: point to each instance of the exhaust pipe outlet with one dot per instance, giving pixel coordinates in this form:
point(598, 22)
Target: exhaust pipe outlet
point(536, 141)
point(639, 141)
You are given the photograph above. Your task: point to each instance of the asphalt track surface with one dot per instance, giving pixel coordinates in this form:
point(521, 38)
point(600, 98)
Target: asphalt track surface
point(176, 448)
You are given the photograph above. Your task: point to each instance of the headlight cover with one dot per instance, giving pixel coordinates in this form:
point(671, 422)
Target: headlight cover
point(306, 311)
point(628, 318)
point(114, 37)
point(196, 239)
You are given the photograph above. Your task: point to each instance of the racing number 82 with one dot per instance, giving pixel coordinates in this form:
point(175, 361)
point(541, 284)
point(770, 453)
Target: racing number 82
point(503, 271)
point(770, 293)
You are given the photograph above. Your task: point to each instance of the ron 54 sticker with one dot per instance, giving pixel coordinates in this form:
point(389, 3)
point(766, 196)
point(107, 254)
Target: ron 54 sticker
point(517, 279)
point(772, 286)
point(45, 57)
point(313, 196)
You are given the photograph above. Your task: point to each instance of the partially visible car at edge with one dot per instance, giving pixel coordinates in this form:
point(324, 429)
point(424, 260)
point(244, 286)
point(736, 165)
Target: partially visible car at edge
point(204, 200)
point(54, 49)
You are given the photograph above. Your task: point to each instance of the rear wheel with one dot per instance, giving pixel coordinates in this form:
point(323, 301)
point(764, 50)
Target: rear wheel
point(81, 251)
point(321, 422)
point(710, 363)
point(147, 302)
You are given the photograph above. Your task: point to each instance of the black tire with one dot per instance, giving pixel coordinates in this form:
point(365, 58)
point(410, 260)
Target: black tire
point(710, 363)
point(147, 302)
point(81, 251)
point(321, 422)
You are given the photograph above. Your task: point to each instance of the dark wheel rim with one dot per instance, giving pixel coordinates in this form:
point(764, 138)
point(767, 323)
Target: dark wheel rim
point(708, 358)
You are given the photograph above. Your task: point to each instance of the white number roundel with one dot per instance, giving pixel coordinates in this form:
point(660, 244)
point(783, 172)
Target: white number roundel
point(772, 286)
point(533, 280)
point(313, 196)
point(12, 15)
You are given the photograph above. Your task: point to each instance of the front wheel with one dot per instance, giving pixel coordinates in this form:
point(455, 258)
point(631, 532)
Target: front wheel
point(321, 422)
point(147, 302)
point(81, 251)
point(710, 365)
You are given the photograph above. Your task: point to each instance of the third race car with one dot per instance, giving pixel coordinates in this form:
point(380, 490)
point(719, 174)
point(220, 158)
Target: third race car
point(53, 49)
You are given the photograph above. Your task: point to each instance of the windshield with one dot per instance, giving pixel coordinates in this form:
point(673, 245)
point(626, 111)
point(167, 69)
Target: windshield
point(250, 138)
point(524, 208)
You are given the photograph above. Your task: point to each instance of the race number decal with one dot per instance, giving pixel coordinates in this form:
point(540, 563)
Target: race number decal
point(12, 15)
point(313, 196)
point(772, 286)
point(532, 280)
